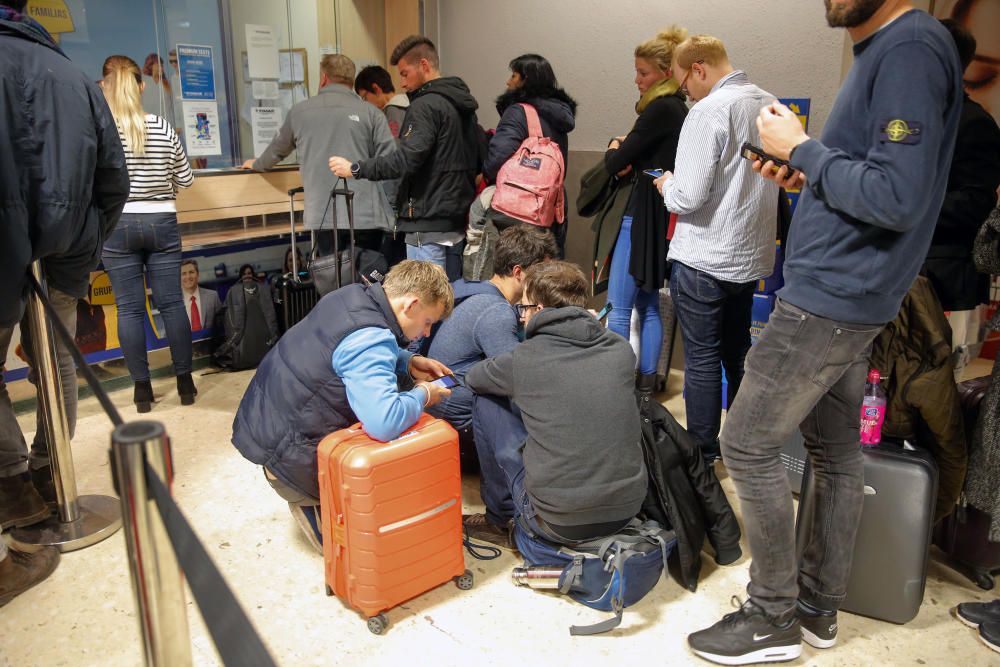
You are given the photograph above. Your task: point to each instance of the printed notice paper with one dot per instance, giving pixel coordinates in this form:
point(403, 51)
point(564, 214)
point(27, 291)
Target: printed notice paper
point(262, 51)
point(264, 90)
point(265, 123)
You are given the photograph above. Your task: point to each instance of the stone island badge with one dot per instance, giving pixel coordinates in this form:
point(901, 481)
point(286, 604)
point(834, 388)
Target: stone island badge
point(899, 131)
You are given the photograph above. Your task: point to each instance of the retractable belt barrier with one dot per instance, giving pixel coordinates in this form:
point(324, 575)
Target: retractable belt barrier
point(235, 638)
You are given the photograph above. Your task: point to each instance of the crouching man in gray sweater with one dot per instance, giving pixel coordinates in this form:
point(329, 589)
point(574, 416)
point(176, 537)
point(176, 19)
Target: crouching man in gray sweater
point(562, 406)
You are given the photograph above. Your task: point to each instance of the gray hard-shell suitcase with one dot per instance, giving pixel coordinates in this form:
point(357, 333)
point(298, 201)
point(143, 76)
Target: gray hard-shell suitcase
point(889, 569)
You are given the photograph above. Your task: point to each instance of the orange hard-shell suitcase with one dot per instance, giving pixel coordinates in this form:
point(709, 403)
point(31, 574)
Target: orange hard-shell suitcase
point(392, 516)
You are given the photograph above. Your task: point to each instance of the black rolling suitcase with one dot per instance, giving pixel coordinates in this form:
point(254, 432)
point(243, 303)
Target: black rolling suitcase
point(294, 293)
point(343, 267)
point(889, 568)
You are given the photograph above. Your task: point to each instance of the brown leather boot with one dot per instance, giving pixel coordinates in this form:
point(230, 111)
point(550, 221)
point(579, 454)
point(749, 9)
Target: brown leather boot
point(19, 571)
point(20, 504)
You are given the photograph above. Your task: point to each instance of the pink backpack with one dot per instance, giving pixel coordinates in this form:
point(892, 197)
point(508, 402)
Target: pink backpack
point(530, 183)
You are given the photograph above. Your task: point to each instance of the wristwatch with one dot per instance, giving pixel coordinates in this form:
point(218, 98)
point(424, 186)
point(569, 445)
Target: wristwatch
point(355, 169)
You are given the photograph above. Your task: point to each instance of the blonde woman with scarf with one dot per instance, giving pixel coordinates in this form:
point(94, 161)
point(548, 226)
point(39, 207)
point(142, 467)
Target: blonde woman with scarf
point(639, 260)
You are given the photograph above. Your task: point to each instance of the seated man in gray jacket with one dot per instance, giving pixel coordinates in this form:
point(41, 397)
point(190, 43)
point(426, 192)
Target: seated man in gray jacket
point(485, 325)
point(335, 122)
point(560, 416)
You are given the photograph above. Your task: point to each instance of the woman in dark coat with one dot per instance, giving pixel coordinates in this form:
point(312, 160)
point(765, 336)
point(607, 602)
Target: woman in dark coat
point(639, 259)
point(533, 82)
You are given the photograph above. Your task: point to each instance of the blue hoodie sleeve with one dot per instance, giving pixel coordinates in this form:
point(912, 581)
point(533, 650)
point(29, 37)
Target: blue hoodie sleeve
point(367, 360)
point(889, 186)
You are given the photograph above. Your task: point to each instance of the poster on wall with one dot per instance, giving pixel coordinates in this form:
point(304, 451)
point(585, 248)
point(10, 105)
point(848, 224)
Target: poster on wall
point(262, 51)
point(196, 68)
point(53, 15)
point(265, 123)
point(201, 128)
point(981, 18)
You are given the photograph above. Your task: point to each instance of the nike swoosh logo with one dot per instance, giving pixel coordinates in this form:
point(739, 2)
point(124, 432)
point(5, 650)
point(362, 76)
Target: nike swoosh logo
point(758, 638)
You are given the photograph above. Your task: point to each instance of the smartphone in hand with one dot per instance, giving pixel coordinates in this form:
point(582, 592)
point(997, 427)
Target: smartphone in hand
point(446, 381)
point(753, 153)
point(603, 313)
point(655, 173)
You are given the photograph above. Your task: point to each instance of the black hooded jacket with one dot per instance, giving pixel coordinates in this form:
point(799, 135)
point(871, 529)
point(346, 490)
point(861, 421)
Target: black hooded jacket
point(438, 158)
point(555, 114)
point(685, 496)
point(63, 180)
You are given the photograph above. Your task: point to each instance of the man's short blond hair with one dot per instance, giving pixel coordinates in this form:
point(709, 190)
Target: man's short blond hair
point(425, 280)
point(338, 67)
point(700, 48)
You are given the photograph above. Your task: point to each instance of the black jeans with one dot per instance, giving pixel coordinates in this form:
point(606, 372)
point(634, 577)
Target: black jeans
point(805, 372)
point(714, 317)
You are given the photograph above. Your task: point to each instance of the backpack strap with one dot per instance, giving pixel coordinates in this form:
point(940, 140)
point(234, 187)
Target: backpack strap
point(617, 564)
point(534, 124)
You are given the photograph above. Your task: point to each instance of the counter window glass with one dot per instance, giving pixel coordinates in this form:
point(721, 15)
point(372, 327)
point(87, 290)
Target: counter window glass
point(223, 73)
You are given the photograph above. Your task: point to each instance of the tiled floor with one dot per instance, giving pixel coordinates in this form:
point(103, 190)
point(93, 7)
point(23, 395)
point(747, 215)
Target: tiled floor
point(85, 613)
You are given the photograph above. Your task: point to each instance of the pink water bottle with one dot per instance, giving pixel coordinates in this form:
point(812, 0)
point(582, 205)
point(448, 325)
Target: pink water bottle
point(872, 410)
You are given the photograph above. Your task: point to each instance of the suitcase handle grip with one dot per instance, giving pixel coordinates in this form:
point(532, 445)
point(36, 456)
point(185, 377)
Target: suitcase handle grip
point(295, 191)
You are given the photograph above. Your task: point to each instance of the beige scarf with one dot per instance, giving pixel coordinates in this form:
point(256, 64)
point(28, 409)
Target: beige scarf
point(661, 88)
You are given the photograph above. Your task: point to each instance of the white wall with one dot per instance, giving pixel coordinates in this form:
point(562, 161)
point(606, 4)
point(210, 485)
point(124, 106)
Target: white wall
point(784, 45)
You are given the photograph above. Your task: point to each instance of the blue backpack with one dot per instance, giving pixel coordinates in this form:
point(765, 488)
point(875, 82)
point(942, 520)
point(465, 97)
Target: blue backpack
point(610, 573)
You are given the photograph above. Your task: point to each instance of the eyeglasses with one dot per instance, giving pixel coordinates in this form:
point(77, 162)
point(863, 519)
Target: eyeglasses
point(683, 86)
point(524, 308)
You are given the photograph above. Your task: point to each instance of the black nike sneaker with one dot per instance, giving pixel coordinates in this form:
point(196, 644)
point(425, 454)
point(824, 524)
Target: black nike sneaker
point(819, 627)
point(974, 614)
point(747, 636)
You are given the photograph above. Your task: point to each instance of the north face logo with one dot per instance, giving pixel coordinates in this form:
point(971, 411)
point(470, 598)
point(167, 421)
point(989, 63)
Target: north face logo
point(355, 118)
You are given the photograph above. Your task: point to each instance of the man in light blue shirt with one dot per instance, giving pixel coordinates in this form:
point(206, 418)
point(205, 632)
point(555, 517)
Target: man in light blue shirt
point(726, 227)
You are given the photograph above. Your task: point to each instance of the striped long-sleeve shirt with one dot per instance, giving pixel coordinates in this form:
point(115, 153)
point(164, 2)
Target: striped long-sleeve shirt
point(155, 176)
point(727, 214)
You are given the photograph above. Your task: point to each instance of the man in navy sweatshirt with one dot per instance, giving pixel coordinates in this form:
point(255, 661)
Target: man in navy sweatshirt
point(874, 184)
point(485, 325)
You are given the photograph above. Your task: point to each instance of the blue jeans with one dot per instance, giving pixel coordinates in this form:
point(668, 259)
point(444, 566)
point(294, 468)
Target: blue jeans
point(714, 318)
point(623, 294)
point(149, 241)
point(498, 432)
point(448, 257)
point(805, 372)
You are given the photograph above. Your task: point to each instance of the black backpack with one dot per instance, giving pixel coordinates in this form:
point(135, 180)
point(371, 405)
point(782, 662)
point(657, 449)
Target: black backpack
point(251, 327)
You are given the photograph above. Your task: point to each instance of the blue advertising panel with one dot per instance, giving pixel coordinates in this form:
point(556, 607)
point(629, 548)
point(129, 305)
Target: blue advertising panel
point(197, 72)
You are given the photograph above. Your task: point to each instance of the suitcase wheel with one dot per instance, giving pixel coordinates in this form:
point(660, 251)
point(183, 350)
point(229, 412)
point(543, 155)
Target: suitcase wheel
point(983, 579)
point(465, 581)
point(378, 624)
point(329, 591)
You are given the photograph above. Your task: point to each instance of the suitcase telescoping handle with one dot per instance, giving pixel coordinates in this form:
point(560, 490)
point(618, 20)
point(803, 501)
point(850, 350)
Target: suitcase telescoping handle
point(291, 220)
point(341, 189)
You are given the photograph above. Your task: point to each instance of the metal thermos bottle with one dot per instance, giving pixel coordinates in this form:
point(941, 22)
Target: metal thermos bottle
point(537, 576)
